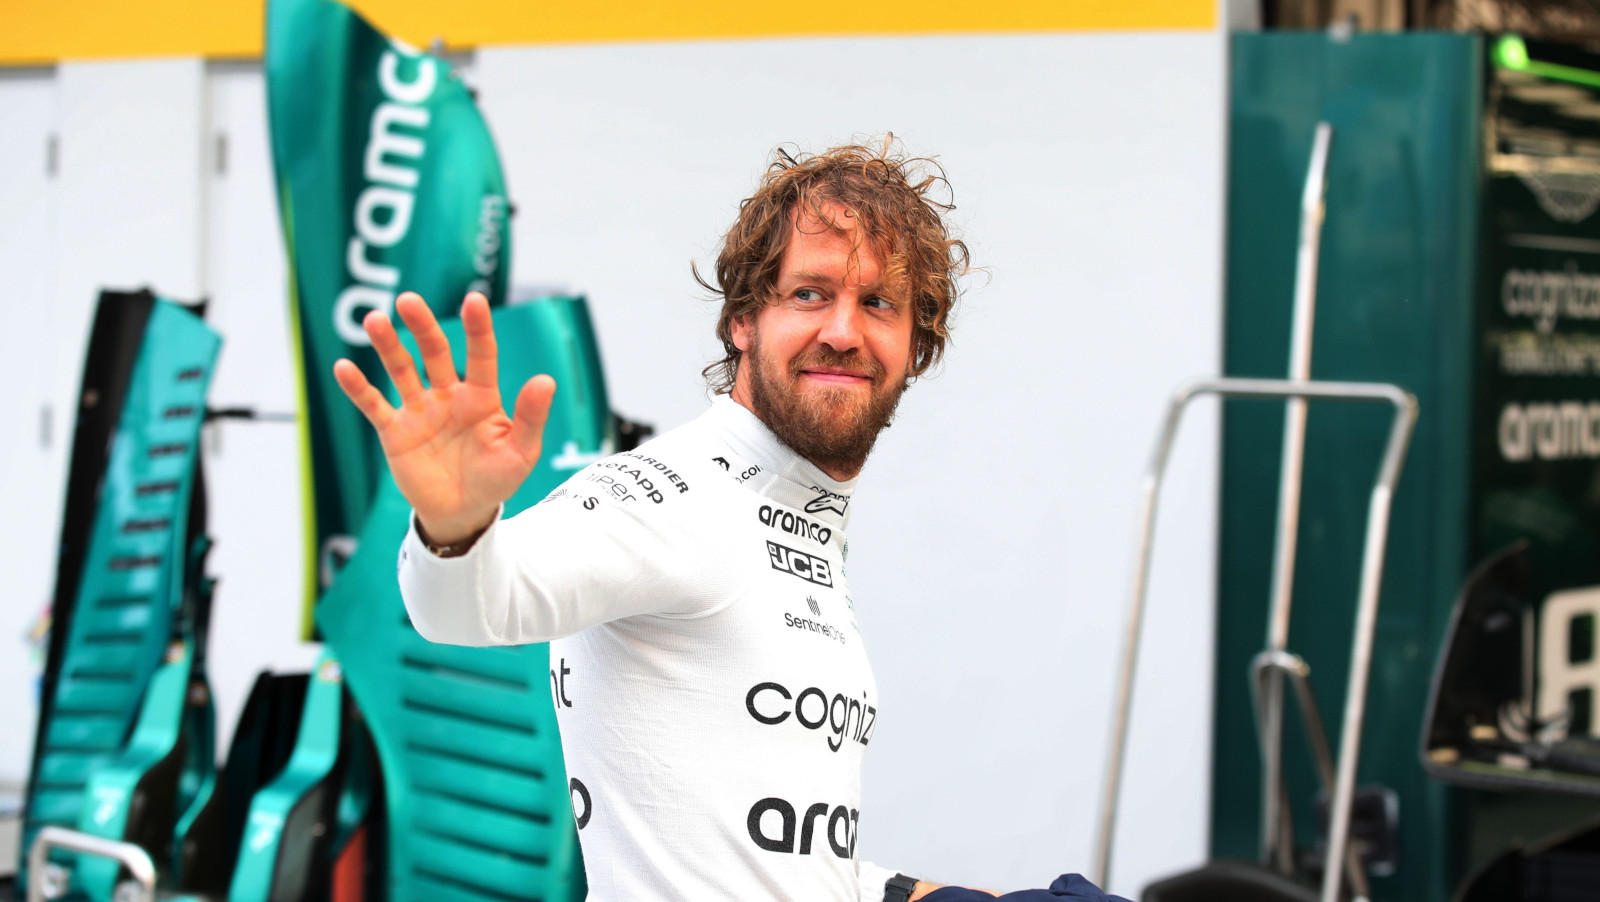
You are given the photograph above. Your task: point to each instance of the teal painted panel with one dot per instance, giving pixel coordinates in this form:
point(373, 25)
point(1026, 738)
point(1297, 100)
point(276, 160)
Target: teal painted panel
point(360, 123)
point(112, 793)
point(133, 567)
point(1395, 303)
point(476, 791)
point(293, 804)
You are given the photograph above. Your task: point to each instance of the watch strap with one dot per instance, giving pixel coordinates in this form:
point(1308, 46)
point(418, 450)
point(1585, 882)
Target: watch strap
point(454, 549)
point(899, 888)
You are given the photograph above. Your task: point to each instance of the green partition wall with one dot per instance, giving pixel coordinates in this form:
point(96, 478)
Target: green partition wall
point(1460, 259)
point(1395, 304)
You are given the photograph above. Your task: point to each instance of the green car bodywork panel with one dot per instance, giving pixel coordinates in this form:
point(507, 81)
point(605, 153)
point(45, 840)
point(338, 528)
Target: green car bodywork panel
point(476, 792)
point(120, 791)
point(149, 792)
point(281, 858)
point(387, 177)
point(114, 636)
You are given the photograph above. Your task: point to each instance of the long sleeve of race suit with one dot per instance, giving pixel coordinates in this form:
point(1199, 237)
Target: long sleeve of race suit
point(566, 564)
point(873, 880)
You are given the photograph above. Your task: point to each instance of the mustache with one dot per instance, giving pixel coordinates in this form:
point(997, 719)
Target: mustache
point(824, 356)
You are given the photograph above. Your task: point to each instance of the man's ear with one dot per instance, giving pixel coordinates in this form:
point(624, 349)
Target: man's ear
point(739, 329)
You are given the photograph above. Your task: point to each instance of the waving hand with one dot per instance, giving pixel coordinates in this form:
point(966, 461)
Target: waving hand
point(454, 453)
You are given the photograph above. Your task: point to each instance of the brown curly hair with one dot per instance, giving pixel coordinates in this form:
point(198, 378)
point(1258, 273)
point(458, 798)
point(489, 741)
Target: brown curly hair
point(889, 197)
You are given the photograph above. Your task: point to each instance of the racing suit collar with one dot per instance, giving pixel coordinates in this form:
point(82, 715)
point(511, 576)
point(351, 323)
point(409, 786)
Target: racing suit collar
point(785, 476)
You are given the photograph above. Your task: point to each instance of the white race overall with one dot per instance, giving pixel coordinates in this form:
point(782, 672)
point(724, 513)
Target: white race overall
point(712, 689)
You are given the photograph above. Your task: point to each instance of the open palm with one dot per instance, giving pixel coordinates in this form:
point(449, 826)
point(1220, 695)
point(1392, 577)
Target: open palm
point(454, 453)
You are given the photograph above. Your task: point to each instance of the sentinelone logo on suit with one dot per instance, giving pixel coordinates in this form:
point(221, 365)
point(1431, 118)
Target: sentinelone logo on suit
point(818, 626)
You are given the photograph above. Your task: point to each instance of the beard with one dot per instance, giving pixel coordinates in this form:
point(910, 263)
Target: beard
point(834, 427)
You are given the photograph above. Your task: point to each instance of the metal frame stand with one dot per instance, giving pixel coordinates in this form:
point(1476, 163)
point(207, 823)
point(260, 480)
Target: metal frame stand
point(1377, 532)
point(46, 882)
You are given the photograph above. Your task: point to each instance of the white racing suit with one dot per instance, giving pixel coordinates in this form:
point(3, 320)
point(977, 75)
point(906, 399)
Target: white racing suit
point(712, 689)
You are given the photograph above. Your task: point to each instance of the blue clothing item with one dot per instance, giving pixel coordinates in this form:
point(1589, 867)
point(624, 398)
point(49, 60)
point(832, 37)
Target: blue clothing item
point(1067, 886)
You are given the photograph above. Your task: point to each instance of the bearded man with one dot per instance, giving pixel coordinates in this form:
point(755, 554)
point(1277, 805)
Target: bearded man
point(715, 698)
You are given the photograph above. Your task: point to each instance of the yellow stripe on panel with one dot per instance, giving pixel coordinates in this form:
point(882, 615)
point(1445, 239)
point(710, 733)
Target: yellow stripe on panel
point(44, 31)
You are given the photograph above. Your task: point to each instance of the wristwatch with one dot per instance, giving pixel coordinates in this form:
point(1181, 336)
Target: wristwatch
point(899, 888)
point(454, 549)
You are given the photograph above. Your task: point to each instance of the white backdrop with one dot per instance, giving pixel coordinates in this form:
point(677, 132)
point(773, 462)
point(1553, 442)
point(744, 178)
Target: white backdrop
point(991, 541)
point(27, 361)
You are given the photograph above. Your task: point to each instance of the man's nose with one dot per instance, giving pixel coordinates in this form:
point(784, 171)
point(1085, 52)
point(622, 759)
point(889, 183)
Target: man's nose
point(842, 328)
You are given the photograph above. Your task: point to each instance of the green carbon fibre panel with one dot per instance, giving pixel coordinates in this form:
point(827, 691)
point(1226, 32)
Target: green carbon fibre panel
point(133, 569)
point(477, 794)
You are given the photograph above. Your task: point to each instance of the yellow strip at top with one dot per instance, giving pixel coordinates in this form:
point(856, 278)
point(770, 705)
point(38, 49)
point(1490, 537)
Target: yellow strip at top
point(47, 31)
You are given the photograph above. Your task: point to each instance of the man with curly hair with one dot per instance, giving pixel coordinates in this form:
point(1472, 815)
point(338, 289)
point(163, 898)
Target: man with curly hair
point(712, 687)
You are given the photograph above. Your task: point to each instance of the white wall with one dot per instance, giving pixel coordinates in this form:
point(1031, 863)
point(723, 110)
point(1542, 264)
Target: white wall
point(27, 357)
point(991, 542)
point(252, 467)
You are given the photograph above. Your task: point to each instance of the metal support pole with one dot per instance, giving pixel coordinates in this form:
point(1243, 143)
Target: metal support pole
point(1274, 824)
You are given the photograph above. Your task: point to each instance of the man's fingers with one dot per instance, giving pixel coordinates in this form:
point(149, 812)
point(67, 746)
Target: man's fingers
point(396, 359)
point(483, 368)
point(532, 410)
point(430, 338)
point(363, 394)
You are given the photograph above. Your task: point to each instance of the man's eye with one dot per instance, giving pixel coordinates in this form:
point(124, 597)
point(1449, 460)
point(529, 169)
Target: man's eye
point(880, 303)
point(808, 294)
